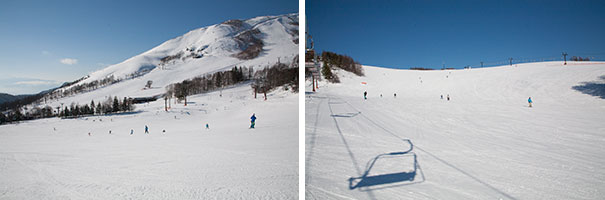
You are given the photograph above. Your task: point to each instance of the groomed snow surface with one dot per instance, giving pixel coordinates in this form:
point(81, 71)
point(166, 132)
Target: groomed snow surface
point(188, 161)
point(485, 143)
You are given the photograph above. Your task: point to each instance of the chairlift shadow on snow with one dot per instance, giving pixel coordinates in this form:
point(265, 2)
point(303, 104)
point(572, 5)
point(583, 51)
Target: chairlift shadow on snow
point(368, 182)
point(596, 89)
point(348, 115)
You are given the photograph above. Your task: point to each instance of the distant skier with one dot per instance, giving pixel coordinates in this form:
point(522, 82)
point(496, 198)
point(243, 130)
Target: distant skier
point(146, 129)
point(441, 96)
point(394, 95)
point(207, 127)
point(131, 131)
point(448, 97)
point(529, 101)
point(110, 132)
point(380, 95)
point(365, 95)
point(88, 133)
point(253, 119)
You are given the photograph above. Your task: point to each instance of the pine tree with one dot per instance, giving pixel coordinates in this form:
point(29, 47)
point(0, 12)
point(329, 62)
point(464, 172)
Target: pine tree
point(116, 104)
point(326, 71)
point(76, 111)
point(99, 108)
point(92, 107)
point(17, 115)
point(125, 104)
point(3, 118)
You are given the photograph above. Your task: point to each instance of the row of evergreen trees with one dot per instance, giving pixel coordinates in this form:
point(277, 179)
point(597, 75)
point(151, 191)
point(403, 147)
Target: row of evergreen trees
point(109, 106)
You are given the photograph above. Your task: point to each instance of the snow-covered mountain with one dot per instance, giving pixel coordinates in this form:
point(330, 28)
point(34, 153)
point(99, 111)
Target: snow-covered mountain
point(257, 42)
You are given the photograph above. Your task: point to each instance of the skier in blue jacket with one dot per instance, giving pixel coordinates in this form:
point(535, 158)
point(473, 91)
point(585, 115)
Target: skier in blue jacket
point(529, 101)
point(253, 118)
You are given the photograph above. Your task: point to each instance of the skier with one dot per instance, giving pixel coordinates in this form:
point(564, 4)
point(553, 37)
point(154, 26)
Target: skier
point(88, 133)
point(394, 95)
point(253, 119)
point(207, 127)
point(146, 129)
point(365, 95)
point(529, 101)
point(131, 131)
point(110, 132)
point(380, 95)
point(448, 97)
point(441, 96)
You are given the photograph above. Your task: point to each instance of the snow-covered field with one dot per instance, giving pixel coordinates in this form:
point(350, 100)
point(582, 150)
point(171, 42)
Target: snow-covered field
point(227, 161)
point(485, 143)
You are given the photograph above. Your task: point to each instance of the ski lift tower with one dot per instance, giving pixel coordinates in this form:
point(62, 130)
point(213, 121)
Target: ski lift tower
point(311, 60)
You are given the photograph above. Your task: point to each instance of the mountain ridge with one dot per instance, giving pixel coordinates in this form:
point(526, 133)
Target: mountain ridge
point(200, 51)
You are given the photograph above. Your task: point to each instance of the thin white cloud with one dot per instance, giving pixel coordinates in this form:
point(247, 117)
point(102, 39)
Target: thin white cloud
point(69, 61)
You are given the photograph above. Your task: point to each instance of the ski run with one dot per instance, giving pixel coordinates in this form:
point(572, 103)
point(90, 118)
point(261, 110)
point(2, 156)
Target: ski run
point(485, 142)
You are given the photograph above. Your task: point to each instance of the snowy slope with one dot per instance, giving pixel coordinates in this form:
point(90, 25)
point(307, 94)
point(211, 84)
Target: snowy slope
point(485, 143)
point(227, 161)
point(215, 45)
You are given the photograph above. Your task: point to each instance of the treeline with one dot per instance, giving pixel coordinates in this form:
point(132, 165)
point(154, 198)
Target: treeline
point(40, 97)
point(578, 58)
point(109, 106)
point(21, 102)
point(326, 71)
point(420, 68)
point(277, 75)
point(85, 87)
point(93, 85)
point(342, 61)
point(262, 80)
point(209, 82)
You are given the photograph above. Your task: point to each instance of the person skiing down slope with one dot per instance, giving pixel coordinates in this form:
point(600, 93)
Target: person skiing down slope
point(529, 101)
point(146, 129)
point(252, 120)
point(365, 95)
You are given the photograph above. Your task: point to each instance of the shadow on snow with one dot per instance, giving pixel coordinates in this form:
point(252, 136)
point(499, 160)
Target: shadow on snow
point(366, 181)
point(596, 89)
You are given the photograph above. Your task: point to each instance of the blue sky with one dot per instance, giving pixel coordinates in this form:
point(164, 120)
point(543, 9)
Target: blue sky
point(45, 43)
point(404, 33)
